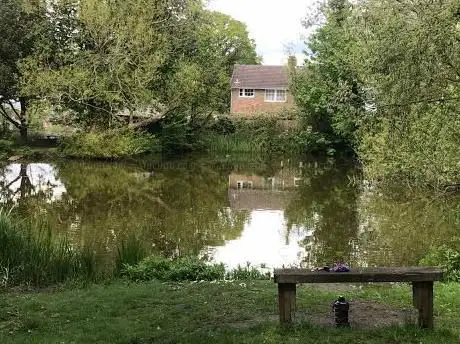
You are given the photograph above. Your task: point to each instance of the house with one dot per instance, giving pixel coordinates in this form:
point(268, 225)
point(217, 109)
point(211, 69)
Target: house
point(260, 89)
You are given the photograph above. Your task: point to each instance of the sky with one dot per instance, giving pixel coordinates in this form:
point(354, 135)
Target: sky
point(273, 24)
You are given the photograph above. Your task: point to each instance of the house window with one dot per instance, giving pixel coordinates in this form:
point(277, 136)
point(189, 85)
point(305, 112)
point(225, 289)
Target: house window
point(275, 96)
point(247, 92)
point(244, 185)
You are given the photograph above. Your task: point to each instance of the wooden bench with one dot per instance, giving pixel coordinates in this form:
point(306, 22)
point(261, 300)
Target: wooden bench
point(422, 279)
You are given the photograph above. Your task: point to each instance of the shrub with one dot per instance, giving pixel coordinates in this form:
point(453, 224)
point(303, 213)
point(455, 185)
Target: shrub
point(173, 269)
point(108, 145)
point(223, 126)
point(448, 259)
point(187, 269)
point(247, 272)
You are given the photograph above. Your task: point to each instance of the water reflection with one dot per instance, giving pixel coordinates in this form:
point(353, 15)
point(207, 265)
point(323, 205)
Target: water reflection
point(270, 214)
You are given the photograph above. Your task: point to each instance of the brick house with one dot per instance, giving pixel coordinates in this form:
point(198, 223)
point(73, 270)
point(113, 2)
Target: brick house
point(260, 89)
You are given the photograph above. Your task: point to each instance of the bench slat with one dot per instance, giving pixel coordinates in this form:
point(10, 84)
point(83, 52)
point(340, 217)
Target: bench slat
point(360, 275)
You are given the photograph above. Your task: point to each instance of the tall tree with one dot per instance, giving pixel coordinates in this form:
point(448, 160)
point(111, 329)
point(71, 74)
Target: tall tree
point(327, 90)
point(414, 81)
point(170, 57)
point(19, 33)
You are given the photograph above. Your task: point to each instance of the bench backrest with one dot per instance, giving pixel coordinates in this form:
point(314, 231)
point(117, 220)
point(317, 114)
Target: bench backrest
point(360, 275)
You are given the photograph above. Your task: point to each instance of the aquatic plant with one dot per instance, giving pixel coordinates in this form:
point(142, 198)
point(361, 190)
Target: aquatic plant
point(31, 254)
point(130, 252)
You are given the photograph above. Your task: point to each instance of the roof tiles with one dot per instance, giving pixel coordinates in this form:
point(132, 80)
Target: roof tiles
point(260, 77)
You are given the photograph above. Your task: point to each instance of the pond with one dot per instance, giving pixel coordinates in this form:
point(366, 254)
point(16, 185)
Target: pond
point(235, 211)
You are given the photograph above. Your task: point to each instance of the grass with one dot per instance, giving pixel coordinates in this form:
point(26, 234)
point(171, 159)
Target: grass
point(232, 143)
point(32, 254)
point(208, 312)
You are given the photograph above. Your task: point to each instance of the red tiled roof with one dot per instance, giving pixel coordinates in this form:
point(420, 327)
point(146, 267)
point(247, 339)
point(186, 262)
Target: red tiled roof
point(258, 76)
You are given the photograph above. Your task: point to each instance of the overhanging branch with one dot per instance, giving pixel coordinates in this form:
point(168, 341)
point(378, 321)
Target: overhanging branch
point(11, 120)
point(14, 110)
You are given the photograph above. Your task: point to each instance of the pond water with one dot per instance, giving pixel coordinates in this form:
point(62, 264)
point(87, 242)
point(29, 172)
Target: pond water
point(234, 211)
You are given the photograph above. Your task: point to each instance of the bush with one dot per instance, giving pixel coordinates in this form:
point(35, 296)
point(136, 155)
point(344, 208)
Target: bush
point(247, 273)
point(448, 259)
point(223, 126)
point(187, 269)
point(108, 145)
point(173, 269)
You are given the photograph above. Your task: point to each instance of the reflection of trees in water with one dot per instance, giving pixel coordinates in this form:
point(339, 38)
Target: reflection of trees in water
point(401, 226)
point(31, 184)
point(177, 211)
point(326, 207)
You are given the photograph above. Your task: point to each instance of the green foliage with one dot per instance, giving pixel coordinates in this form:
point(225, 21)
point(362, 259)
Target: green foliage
point(6, 147)
point(266, 135)
point(32, 254)
point(232, 143)
point(412, 135)
point(108, 145)
point(446, 258)
point(187, 269)
point(130, 252)
point(174, 269)
point(393, 101)
point(223, 126)
point(247, 273)
point(327, 89)
point(19, 34)
point(173, 58)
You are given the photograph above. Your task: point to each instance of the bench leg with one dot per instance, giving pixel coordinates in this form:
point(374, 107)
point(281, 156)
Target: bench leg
point(423, 300)
point(286, 299)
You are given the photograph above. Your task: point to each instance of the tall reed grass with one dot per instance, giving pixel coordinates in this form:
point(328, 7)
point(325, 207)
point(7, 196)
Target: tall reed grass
point(31, 254)
point(232, 143)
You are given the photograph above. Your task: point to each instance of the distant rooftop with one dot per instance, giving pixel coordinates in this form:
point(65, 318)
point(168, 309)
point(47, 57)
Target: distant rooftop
point(259, 76)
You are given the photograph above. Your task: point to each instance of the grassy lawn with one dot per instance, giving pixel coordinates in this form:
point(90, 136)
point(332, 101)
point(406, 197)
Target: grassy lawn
point(236, 312)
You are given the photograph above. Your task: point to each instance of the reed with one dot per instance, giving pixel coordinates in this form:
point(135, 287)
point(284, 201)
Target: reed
point(31, 254)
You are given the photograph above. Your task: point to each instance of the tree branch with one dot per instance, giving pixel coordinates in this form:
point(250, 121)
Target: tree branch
point(428, 101)
point(14, 110)
point(11, 120)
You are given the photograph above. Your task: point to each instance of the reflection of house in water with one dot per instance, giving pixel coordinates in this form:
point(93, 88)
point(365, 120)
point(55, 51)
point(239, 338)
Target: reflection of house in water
point(250, 192)
point(283, 180)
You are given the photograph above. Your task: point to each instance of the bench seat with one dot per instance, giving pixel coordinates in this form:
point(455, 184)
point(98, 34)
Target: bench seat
point(422, 279)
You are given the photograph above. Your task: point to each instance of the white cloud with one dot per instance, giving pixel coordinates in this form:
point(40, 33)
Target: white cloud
point(273, 24)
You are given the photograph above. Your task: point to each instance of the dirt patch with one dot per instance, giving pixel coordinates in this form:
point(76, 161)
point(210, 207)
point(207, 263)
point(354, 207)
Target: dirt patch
point(363, 314)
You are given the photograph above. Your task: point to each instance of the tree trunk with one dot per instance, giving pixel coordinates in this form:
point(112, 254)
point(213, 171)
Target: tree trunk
point(23, 129)
point(23, 132)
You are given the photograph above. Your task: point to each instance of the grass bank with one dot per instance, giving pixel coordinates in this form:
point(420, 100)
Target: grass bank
point(213, 312)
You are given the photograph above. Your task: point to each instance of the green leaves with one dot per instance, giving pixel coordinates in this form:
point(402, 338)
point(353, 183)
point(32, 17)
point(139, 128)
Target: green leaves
point(327, 90)
point(100, 58)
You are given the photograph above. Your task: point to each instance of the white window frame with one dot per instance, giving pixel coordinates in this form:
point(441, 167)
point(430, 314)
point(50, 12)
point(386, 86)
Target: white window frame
point(275, 100)
point(244, 91)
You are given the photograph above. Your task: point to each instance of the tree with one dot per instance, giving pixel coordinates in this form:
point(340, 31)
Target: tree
point(225, 42)
point(18, 29)
point(171, 58)
point(414, 83)
point(327, 90)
